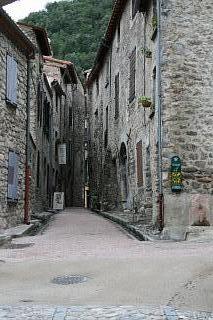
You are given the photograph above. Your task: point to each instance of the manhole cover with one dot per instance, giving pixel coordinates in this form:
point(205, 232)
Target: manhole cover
point(65, 280)
point(18, 245)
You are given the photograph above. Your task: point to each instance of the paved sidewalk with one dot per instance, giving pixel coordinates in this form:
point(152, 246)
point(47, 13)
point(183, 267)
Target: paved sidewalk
point(99, 312)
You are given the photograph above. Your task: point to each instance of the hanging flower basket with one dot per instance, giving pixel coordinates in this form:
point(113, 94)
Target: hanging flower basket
point(144, 101)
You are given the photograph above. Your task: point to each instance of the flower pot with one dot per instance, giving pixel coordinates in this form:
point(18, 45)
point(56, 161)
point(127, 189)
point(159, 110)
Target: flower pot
point(146, 104)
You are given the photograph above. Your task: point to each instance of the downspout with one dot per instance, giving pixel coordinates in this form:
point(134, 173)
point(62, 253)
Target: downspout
point(27, 165)
point(158, 74)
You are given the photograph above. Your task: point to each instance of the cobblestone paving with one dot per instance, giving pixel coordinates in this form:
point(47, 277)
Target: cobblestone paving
point(99, 312)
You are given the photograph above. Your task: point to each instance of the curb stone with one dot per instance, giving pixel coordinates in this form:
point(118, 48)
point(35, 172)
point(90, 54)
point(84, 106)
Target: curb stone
point(132, 229)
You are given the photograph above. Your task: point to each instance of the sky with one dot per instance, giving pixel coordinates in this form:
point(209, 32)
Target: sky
point(21, 8)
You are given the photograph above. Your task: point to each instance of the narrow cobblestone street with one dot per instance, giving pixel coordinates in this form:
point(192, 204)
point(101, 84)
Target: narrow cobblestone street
point(125, 278)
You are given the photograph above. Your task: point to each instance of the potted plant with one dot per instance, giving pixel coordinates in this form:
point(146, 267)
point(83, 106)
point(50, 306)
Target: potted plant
point(145, 101)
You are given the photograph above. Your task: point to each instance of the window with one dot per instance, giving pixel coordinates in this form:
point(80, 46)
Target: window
point(38, 171)
point(70, 118)
point(11, 87)
point(140, 5)
point(110, 72)
point(136, 6)
point(97, 86)
point(154, 20)
point(46, 123)
point(12, 187)
point(118, 35)
point(117, 96)
point(107, 73)
point(139, 164)
point(39, 103)
point(132, 76)
point(154, 86)
point(57, 101)
point(107, 128)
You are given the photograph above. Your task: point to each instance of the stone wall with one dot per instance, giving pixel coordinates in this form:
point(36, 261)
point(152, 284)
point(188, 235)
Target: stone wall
point(119, 187)
point(77, 150)
point(12, 134)
point(187, 76)
point(68, 122)
point(40, 195)
point(186, 97)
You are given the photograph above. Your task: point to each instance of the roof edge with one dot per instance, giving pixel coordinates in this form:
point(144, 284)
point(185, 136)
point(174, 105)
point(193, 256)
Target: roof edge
point(14, 33)
point(106, 42)
point(39, 31)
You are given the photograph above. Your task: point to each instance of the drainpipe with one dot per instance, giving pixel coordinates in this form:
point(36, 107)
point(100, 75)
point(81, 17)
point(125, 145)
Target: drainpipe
point(158, 73)
point(27, 165)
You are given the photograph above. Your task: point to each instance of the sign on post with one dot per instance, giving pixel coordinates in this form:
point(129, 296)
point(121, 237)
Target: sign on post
point(176, 174)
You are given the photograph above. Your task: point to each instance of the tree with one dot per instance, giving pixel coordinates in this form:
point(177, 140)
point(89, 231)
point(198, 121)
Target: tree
point(75, 28)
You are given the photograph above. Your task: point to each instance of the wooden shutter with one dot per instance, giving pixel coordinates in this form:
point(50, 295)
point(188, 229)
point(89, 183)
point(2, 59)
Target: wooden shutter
point(12, 190)
point(139, 164)
point(11, 90)
point(132, 76)
point(117, 96)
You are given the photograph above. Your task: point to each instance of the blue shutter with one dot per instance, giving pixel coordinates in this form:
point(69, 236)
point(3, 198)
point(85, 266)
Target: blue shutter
point(15, 183)
point(11, 91)
point(9, 71)
point(12, 190)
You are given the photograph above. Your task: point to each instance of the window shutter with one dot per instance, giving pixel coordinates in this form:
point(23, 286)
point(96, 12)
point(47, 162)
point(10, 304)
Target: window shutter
point(12, 191)
point(14, 82)
point(139, 164)
point(11, 90)
point(15, 184)
point(117, 96)
point(132, 76)
point(9, 73)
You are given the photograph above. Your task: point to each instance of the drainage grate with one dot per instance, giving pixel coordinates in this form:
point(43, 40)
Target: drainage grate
point(18, 245)
point(66, 280)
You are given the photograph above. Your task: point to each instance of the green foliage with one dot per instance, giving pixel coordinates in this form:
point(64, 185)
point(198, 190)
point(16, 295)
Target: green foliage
point(75, 28)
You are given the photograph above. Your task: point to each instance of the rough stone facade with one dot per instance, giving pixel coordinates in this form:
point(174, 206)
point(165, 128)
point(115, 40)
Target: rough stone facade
point(125, 139)
point(68, 128)
point(187, 109)
point(50, 93)
point(12, 126)
point(133, 124)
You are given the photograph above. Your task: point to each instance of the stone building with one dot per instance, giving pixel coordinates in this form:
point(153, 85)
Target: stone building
point(68, 129)
point(149, 102)
point(39, 139)
point(16, 52)
point(42, 109)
